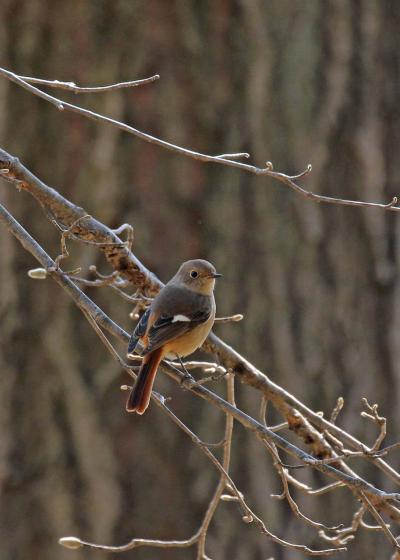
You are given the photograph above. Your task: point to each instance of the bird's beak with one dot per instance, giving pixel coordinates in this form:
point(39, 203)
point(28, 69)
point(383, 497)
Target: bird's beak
point(216, 275)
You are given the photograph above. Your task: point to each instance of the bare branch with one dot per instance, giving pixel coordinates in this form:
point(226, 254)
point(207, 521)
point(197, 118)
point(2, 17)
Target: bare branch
point(380, 521)
point(229, 159)
point(286, 477)
point(380, 421)
point(295, 420)
point(336, 411)
point(98, 283)
point(286, 491)
point(239, 155)
point(324, 439)
point(345, 535)
point(207, 367)
point(302, 420)
point(71, 86)
point(74, 543)
point(87, 306)
point(231, 319)
point(380, 500)
point(325, 489)
point(230, 381)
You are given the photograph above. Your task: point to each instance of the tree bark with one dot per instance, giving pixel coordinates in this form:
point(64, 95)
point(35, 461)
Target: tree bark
point(290, 82)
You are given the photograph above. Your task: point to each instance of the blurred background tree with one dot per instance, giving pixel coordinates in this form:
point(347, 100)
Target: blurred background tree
point(286, 80)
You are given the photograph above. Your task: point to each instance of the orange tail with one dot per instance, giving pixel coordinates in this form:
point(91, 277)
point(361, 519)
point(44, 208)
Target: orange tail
point(139, 398)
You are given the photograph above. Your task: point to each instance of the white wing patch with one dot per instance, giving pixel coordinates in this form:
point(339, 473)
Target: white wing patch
point(181, 319)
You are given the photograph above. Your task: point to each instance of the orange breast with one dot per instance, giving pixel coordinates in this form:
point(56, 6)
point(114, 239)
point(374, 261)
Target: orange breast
point(188, 342)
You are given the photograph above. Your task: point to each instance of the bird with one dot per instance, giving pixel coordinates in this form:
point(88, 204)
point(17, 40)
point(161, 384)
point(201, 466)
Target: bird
point(175, 325)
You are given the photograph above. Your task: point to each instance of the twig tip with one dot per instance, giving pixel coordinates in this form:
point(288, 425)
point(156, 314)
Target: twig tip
point(37, 273)
point(70, 542)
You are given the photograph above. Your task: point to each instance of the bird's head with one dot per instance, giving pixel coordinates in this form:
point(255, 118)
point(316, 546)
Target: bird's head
point(198, 275)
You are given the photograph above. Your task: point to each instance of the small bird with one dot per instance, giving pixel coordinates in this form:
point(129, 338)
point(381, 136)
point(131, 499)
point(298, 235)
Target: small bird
point(175, 325)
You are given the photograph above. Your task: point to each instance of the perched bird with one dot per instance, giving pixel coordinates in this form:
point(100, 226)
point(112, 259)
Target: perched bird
point(175, 325)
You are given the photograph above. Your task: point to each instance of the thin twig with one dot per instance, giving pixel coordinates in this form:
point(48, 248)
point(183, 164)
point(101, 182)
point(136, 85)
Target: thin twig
point(346, 534)
point(71, 86)
point(75, 543)
point(239, 155)
point(288, 180)
point(380, 421)
point(381, 498)
point(207, 367)
point(87, 306)
point(352, 482)
point(249, 515)
point(286, 491)
point(372, 509)
point(336, 411)
point(325, 489)
point(278, 427)
point(231, 319)
point(201, 555)
point(64, 234)
point(284, 477)
point(302, 419)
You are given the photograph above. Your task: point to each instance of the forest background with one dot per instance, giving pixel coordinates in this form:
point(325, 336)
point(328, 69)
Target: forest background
point(288, 81)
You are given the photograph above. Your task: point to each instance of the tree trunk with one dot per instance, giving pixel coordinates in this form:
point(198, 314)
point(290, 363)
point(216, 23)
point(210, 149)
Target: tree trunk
point(288, 81)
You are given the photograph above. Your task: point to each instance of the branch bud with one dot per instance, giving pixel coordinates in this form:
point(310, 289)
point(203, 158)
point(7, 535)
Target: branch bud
point(70, 542)
point(37, 273)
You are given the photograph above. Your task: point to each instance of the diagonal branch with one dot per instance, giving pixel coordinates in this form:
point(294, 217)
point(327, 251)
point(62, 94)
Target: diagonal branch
point(224, 159)
point(307, 424)
point(296, 421)
point(201, 554)
point(323, 438)
point(379, 499)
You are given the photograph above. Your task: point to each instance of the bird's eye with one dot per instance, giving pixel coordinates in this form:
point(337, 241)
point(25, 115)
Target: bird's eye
point(194, 274)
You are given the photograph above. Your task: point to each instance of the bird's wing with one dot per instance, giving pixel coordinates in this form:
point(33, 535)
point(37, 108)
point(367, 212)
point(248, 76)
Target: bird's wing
point(139, 331)
point(167, 327)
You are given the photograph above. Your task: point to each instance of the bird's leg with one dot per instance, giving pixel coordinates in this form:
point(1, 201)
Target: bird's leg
point(186, 376)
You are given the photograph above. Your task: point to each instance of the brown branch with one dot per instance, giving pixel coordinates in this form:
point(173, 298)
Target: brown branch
point(44, 194)
point(74, 543)
point(207, 367)
point(71, 86)
point(336, 411)
point(95, 315)
point(286, 491)
point(201, 555)
point(238, 155)
point(124, 260)
point(249, 515)
point(284, 476)
point(230, 319)
point(31, 245)
point(346, 534)
point(49, 198)
point(302, 420)
point(225, 159)
point(380, 421)
point(325, 489)
point(321, 436)
point(372, 509)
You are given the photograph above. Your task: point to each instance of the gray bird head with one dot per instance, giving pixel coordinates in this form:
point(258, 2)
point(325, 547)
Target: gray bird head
point(197, 275)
